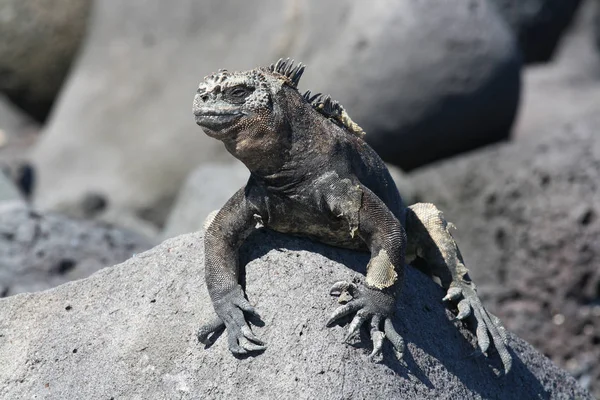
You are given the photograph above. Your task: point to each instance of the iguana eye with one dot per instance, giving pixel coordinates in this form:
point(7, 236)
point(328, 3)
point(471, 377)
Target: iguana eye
point(239, 92)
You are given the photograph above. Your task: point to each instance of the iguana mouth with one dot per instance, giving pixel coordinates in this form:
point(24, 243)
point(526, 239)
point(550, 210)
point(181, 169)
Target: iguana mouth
point(216, 120)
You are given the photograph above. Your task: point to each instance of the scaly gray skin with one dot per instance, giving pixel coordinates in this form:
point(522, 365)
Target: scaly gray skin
point(313, 175)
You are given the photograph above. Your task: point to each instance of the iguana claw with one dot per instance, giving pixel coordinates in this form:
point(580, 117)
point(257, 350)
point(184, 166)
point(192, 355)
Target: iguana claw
point(488, 325)
point(369, 304)
point(230, 309)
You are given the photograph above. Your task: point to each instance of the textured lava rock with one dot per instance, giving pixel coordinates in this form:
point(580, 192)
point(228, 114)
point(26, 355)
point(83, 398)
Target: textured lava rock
point(39, 251)
point(528, 218)
point(129, 332)
point(568, 89)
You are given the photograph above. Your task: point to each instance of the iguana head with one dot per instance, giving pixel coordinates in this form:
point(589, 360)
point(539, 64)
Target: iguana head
point(252, 111)
point(229, 103)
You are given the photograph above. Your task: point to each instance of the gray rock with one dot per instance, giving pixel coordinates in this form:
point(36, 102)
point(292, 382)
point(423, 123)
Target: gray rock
point(39, 42)
point(17, 132)
point(39, 251)
point(206, 189)
point(12, 121)
point(129, 332)
point(424, 79)
point(528, 218)
point(568, 89)
point(10, 198)
point(596, 23)
point(538, 24)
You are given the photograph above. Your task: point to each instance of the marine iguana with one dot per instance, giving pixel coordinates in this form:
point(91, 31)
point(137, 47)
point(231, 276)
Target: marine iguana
point(312, 174)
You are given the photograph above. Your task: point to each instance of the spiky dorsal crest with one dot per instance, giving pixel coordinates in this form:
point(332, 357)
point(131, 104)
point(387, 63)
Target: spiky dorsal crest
point(323, 104)
point(333, 110)
point(287, 69)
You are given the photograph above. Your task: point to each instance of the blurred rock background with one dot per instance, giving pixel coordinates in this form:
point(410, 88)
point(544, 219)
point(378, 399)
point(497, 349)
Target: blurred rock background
point(101, 158)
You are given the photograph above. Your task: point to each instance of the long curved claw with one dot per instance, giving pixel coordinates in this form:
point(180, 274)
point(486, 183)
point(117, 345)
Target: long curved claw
point(250, 346)
point(344, 310)
point(359, 319)
point(230, 309)
point(501, 328)
point(377, 336)
point(464, 310)
point(482, 331)
point(341, 286)
point(369, 304)
point(245, 306)
point(248, 334)
point(453, 293)
point(207, 329)
point(489, 329)
point(394, 337)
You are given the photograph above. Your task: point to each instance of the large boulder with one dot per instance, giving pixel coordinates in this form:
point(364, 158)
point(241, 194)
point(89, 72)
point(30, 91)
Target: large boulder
point(39, 251)
point(10, 198)
point(425, 80)
point(129, 332)
point(14, 123)
point(528, 219)
point(538, 24)
point(596, 23)
point(568, 89)
point(123, 128)
point(40, 39)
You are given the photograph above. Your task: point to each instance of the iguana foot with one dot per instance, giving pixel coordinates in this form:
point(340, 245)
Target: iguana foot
point(368, 304)
point(230, 310)
point(488, 325)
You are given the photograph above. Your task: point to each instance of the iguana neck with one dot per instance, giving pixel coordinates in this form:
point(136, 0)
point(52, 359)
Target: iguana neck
point(287, 157)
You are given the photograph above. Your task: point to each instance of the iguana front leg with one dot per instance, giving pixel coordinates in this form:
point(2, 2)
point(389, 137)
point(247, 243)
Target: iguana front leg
point(370, 219)
point(429, 238)
point(222, 239)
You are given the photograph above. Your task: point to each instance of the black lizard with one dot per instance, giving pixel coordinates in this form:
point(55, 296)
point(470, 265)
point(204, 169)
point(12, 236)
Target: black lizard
point(312, 174)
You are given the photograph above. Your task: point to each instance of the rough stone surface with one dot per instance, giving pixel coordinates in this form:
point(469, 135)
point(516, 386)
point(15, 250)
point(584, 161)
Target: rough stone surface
point(568, 89)
point(123, 127)
point(39, 251)
point(528, 218)
point(209, 187)
point(425, 79)
point(538, 24)
point(129, 332)
point(40, 39)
